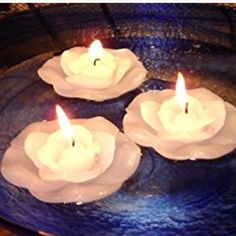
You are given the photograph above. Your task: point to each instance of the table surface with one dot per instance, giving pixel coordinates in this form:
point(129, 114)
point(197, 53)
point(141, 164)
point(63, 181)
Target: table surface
point(4, 232)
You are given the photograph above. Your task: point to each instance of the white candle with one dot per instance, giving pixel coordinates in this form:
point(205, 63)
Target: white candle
point(93, 73)
point(182, 124)
point(82, 161)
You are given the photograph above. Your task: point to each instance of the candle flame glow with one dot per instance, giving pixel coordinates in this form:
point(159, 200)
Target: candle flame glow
point(64, 122)
point(95, 50)
point(180, 91)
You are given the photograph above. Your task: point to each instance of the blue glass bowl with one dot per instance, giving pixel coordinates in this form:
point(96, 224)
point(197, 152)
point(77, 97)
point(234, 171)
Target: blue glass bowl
point(163, 197)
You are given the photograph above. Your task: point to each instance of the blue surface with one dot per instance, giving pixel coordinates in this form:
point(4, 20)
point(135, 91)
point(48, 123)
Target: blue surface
point(163, 197)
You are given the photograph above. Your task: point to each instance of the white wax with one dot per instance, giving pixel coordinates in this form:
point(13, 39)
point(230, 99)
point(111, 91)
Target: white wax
point(176, 121)
point(97, 173)
point(83, 64)
point(59, 156)
point(155, 119)
point(73, 74)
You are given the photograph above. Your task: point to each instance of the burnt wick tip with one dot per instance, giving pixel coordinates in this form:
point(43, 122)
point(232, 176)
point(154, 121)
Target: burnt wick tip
point(186, 108)
point(73, 142)
point(96, 60)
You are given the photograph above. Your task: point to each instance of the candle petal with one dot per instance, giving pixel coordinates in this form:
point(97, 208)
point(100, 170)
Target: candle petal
point(132, 78)
point(32, 143)
point(128, 156)
point(149, 111)
point(48, 155)
point(197, 151)
point(227, 135)
point(65, 57)
point(141, 133)
point(52, 71)
point(76, 193)
point(88, 82)
point(19, 170)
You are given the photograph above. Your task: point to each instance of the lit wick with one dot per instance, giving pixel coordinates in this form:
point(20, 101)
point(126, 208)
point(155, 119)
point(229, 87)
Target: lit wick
point(73, 142)
point(95, 52)
point(65, 125)
point(186, 108)
point(96, 60)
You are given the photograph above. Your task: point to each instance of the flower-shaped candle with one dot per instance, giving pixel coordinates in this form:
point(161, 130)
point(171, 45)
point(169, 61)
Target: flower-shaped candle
point(82, 162)
point(179, 125)
point(93, 73)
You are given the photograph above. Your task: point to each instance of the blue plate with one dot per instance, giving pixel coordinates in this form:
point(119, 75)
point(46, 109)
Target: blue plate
point(163, 197)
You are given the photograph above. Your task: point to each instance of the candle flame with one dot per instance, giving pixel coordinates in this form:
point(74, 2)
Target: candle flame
point(64, 122)
point(95, 50)
point(180, 91)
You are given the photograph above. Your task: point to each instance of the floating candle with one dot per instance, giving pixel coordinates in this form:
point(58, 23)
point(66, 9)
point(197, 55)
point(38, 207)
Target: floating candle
point(93, 73)
point(84, 161)
point(180, 125)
